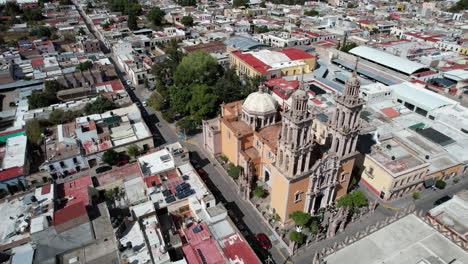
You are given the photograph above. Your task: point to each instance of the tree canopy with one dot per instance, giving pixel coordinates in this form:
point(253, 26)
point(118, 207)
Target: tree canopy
point(239, 3)
point(300, 218)
point(34, 131)
point(47, 97)
point(187, 21)
point(311, 13)
point(459, 6)
point(59, 116)
point(85, 65)
point(125, 6)
point(101, 105)
point(187, 2)
point(197, 68)
point(353, 201)
point(110, 157)
point(41, 31)
point(133, 150)
point(156, 16)
point(297, 237)
point(132, 21)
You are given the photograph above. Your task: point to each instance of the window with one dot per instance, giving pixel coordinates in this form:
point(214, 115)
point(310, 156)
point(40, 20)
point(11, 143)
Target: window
point(396, 183)
point(297, 197)
point(229, 134)
point(62, 164)
point(75, 160)
point(343, 176)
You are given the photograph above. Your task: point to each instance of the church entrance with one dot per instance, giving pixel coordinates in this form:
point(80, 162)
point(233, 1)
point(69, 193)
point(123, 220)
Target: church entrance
point(318, 202)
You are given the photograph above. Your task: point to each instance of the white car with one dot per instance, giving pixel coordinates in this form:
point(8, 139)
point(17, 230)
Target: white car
point(129, 82)
point(145, 104)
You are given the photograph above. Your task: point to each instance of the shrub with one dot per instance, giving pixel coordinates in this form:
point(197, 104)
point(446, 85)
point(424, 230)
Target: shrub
point(297, 237)
point(259, 192)
point(440, 184)
point(234, 171)
point(416, 195)
point(168, 116)
point(456, 180)
point(110, 157)
point(223, 158)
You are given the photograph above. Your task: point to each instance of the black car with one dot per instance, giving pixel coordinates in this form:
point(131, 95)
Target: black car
point(103, 169)
point(170, 199)
point(442, 200)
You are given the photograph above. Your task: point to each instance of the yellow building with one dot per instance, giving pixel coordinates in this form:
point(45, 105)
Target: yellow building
point(391, 170)
point(464, 50)
point(273, 64)
point(285, 150)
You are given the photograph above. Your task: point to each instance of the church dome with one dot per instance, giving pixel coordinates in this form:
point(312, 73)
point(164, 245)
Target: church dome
point(259, 103)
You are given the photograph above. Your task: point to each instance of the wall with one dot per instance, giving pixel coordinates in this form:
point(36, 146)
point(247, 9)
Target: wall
point(279, 193)
point(299, 186)
point(446, 173)
point(229, 144)
point(381, 181)
point(347, 169)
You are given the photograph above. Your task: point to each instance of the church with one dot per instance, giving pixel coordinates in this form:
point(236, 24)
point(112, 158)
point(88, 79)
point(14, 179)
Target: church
point(304, 160)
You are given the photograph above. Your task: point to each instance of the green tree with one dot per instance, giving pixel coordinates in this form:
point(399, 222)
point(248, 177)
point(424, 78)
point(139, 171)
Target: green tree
point(440, 184)
point(262, 5)
point(65, 2)
point(416, 195)
point(32, 14)
point(187, 2)
point(89, 4)
point(133, 150)
point(58, 116)
point(41, 31)
point(187, 21)
point(109, 194)
point(41, 99)
point(353, 201)
point(261, 29)
point(259, 192)
point(157, 102)
point(132, 22)
point(300, 218)
point(179, 100)
point(197, 68)
point(110, 157)
point(311, 13)
point(34, 131)
point(459, 6)
point(156, 16)
point(297, 237)
point(228, 87)
point(125, 6)
point(83, 66)
point(239, 3)
point(234, 171)
point(203, 103)
point(188, 125)
point(99, 106)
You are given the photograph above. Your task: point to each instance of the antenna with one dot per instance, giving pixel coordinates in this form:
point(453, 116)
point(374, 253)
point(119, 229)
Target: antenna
point(355, 66)
point(301, 82)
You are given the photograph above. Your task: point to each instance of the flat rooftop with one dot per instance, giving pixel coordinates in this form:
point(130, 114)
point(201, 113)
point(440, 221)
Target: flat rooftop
point(408, 240)
point(394, 157)
point(453, 214)
point(13, 217)
point(157, 162)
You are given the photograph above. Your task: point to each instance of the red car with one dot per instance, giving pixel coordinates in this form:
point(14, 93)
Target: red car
point(121, 163)
point(202, 173)
point(263, 241)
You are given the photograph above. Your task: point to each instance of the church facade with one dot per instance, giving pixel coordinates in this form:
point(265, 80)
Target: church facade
point(305, 162)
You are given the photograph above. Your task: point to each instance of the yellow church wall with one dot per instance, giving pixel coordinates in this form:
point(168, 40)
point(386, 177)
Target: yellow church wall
point(229, 144)
point(279, 193)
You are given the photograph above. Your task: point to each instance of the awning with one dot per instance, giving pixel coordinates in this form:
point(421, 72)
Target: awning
point(428, 183)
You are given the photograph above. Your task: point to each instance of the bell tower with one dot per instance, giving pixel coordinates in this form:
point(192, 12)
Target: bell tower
point(345, 122)
point(296, 138)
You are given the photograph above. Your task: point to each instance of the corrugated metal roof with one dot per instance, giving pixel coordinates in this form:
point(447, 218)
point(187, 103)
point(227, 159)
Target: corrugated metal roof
point(388, 60)
point(420, 97)
point(243, 43)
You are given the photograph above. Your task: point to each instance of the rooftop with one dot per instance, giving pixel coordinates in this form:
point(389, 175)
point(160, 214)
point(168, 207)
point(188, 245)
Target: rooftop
point(394, 157)
point(201, 247)
point(453, 214)
point(386, 59)
point(408, 240)
point(157, 162)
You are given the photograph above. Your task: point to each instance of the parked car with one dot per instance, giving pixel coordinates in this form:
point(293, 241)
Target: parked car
point(121, 163)
point(202, 174)
point(129, 82)
point(103, 169)
point(442, 200)
point(145, 104)
point(263, 240)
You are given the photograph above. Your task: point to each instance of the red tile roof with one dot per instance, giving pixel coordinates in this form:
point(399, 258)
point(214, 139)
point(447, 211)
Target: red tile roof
point(251, 60)
point(11, 173)
point(316, 101)
point(37, 62)
point(77, 188)
point(390, 112)
point(11, 132)
point(237, 250)
point(116, 85)
point(201, 245)
point(45, 189)
point(296, 54)
point(69, 213)
point(154, 178)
